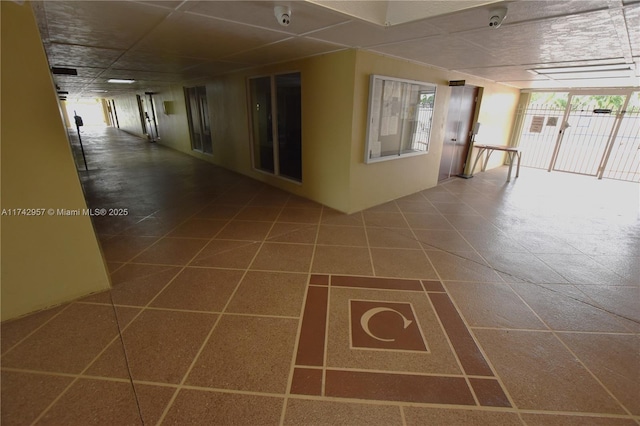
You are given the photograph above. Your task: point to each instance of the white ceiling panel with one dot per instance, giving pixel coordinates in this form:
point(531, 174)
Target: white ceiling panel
point(571, 38)
point(443, 51)
point(632, 18)
point(138, 60)
point(284, 51)
point(518, 11)
point(66, 55)
point(202, 37)
point(364, 34)
point(115, 24)
point(305, 16)
point(213, 68)
point(512, 73)
point(165, 41)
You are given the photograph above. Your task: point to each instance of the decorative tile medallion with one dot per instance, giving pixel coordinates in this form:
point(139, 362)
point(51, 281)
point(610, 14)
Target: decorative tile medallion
point(390, 340)
point(384, 325)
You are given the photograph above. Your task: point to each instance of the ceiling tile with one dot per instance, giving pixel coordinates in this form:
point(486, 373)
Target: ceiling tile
point(580, 37)
point(632, 18)
point(364, 34)
point(80, 56)
point(202, 37)
point(287, 50)
point(518, 11)
point(139, 60)
point(213, 68)
point(115, 24)
point(444, 51)
point(305, 16)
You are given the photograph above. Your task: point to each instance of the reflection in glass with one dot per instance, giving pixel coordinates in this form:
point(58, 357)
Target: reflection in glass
point(260, 90)
point(400, 117)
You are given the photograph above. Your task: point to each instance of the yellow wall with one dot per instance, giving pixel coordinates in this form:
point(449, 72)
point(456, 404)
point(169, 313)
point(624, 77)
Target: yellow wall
point(335, 91)
point(46, 260)
point(376, 183)
point(327, 83)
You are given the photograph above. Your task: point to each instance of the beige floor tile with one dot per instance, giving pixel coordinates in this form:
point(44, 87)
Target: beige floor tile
point(614, 359)
point(419, 416)
point(581, 269)
point(618, 300)
point(15, 330)
point(392, 238)
point(171, 251)
point(492, 305)
point(199, 289)
point(515, 267)
point(244, 230)
point(94, 402)
point(260, 214)
point(25, 395)
point(136, 285)
point(304, 412)
point(342, 260)
point(295, 215)
point(402, 263)
point(563, 307)
point(219, 211)
point(193, 407)
point(427, 221)
point(269, 293)
point(227, 254)
point(384, 219)
point(540, 373)
point(283, 257)
point(198, 228)
point(247, 353)
point(567, 420)
point(123, 248)
point(462, 266)
point(440, 239)
point(300, 233)
point(68, 342)
point(160, 346)
point(333, 217)
point(342, 236)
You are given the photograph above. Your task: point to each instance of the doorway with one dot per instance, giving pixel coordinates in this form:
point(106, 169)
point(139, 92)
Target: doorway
point(587, 133)
point(198, 119)
point(462, 111)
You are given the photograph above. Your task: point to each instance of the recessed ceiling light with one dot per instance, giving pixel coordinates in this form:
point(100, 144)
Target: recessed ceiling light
point(120, 80)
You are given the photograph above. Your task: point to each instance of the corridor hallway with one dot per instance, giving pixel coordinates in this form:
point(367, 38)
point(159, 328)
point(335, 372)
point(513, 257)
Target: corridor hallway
point(474, 302)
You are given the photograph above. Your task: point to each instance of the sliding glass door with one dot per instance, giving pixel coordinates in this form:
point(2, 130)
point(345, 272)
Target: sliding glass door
point(276, 124)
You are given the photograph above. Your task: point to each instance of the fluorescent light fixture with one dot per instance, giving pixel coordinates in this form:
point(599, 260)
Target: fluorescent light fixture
point(120, 80)
point(584, 69)
point(99, 91)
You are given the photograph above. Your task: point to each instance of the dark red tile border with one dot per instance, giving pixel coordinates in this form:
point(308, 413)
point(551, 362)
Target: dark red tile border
point(433, 286)
point(378, 283)
point(319, 279)
point(468, 352)
point(489, 393)
point(383, 386)
point(314, 322)
point(307, 381)
point(398, 387)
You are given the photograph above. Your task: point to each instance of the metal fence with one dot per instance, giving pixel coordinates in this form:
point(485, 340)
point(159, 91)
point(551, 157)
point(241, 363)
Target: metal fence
point(592, 141)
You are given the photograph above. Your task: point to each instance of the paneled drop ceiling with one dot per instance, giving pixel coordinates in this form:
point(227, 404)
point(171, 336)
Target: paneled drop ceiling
point(159, 43)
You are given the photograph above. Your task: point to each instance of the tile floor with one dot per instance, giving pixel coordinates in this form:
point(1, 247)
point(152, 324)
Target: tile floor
point(474, 302)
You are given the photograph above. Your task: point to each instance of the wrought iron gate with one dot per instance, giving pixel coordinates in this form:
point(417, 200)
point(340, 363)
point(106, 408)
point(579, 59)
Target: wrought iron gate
point(596, 135)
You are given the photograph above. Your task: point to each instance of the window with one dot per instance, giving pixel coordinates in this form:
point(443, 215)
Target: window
point(276, 115)
point(198, 116)
point(400, 117)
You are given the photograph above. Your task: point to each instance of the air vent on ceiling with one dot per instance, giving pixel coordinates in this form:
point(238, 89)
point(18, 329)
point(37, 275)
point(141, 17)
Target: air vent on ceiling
point(64, 71)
